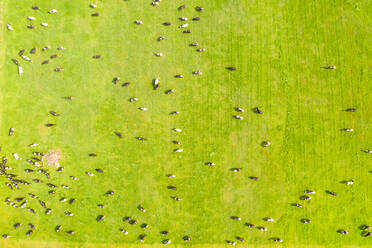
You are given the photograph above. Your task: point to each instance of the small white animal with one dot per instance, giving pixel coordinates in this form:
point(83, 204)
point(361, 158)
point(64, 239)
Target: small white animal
point(44, 24)
point(10, 27)
point(52, 11)
point(177, 130)
point(31, 18)
point(92, 5)
point(20, 70)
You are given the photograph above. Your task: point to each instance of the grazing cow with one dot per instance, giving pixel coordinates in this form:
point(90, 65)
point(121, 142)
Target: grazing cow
point(171, 175)
point(198, 8)
point(92, 5)
point(29, 232)
point(167, 23)
point(74, 178)
point(351, 110)
point(15, 61)
point(133, 222)
point(31, 18)
point(342, 231)
point(235, 218)
point(116, 80)
point(231, 68)
point(96, 57)
point(238, 117)
point(268, 219)
point(230, 242)
point(31, 226)
point(126, 84)
point(48, 211)
point(89, 174)
point(124, 231)
point(143, 108)
point(201, 50)
point(350, 182)
point(258, 111)
point(10, 28)
point(52, 11)
point(141, 208)
point(170, 91)
point(161, 38)
point(142, 237)
point(347, 130)
point(239, 109)
point(253, 178)
point(178, 130)
point(183, 18)
point(42, 204)
point(178, 76)
point(176, 142)
point(138, 22)
point(35, 7)
point(33, 50)
point(261, 228)
point(101, 206)
point(49, 125)
point(166, 241)
point(127, 218)
point(266, 143)
point(69, 214)
point(159, 54)
point(196, 19)
point(182, 7)
point(236, 169)
point(144, 225)
point(209, 163)
point(368, 151)
point(58, 228)
point(186, 238)
point(58, 69)
point(197, 72)
point(46, 48)
point(21, 52)
point(11, 131)
point(250, 225)
point(309, 192)
point(141, 139)
point(164, 232)
point(278, 240)
point(240, 239)
point(95, 14)
point(155, 3)
point(45, 62)
point(44, 24)
point(364, 227)
point(305, 197)
point(185, 25)
point(71, 232)
point(297, 205)
point(331, 193)
point(100, 218)
point(133, 99)
point(174, 113)
point(72, 201)
point(6, 236)
point(306, 221)
point(368, 234)
point(16, 225)
point(187, 31)
point(109, 193)
point(330, 67)
point(194, 44)
point(54, 113)
point(31, 26)
point(176, 198)
point(61, 48)
point(20, 70)
point(178, 150)
point(99, 170)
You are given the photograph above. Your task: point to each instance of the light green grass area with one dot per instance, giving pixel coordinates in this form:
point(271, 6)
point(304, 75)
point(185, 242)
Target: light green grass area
point(278, 48)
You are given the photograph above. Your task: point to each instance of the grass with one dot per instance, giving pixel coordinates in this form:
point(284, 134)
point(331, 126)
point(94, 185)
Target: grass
point(278, 47)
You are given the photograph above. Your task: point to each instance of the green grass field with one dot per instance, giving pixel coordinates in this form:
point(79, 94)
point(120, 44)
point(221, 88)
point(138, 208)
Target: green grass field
point(278, 48)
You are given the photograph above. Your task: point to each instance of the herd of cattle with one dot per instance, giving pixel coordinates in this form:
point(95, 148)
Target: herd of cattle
point(39, 166)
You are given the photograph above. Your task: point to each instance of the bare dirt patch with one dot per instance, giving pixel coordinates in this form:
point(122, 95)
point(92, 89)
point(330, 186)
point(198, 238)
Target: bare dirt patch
point(52, 157)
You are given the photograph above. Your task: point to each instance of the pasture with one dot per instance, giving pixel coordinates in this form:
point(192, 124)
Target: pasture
point(278, 49)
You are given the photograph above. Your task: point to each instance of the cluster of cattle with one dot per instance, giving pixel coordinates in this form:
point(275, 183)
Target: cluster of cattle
point(36, 158)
